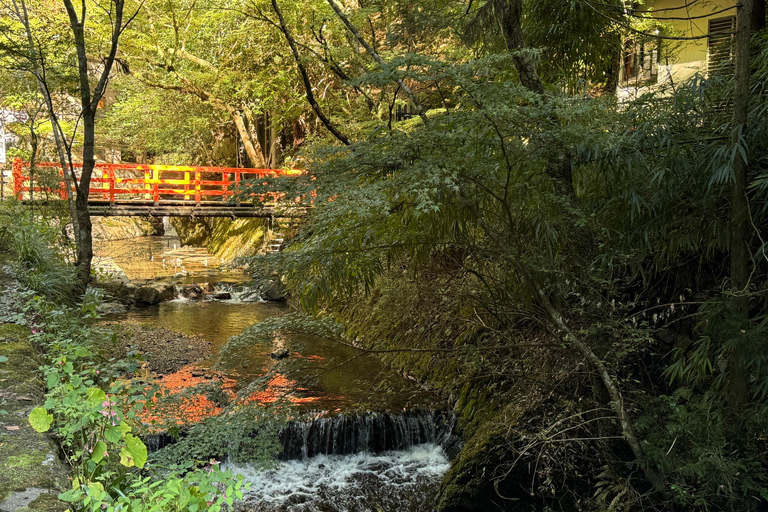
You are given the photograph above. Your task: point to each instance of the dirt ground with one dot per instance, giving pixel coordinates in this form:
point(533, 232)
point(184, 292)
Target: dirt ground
point(165, 351)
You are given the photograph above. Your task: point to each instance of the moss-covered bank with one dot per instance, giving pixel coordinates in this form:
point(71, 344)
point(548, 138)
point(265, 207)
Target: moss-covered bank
point(31, 475)
point(520, 395)
point(224, 238)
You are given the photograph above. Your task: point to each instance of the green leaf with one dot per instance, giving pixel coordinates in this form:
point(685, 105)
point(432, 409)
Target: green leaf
point(98, 452)
point(113, 434)
point(3, 359)
point(96, 396)
point(81, 351)
point(126, 458)
point(134, 453)
point(40, 419)
point(71, 495)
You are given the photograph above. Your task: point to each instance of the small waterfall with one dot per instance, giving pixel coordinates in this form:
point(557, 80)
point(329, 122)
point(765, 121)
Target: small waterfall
point(355, 462)
point(168, 229)
point(359, 432)
point(157, 441)
point(369, 432)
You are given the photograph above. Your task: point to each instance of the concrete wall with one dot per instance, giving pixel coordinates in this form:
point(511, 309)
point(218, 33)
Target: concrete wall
point(689, 56)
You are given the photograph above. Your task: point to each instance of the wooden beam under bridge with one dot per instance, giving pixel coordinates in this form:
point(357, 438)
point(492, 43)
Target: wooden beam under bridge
point(179, 209)
point(234, 212)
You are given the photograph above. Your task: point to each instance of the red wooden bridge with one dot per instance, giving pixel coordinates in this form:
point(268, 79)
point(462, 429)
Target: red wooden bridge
point(157, 190)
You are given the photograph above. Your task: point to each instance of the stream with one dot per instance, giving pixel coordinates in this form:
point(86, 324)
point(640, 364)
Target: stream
point(365, 437)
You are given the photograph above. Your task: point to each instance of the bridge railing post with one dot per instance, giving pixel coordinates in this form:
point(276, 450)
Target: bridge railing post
point(186, 185)
point(111, 173)
point(238, 176)
point(147, 182)
point(17, 177)
point(63, 192)
point(225, 185)
point(155, 186)
point(197, 187)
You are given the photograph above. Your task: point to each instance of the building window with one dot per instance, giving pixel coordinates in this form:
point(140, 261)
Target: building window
point(720, 45)
point(641, 63)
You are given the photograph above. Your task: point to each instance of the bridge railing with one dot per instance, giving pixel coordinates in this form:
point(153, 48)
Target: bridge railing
point(144, 182)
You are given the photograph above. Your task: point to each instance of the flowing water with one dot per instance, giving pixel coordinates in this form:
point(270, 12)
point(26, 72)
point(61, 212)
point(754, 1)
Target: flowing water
point(342, 459)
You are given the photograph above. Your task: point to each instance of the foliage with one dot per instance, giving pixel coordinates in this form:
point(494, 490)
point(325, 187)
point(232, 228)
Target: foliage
point(477, 197)
point(34, 245)
point(92, 413)
point(243, 433)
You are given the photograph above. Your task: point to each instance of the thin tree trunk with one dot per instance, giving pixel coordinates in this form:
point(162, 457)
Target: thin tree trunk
point(58, 135)
point(612, 75)
point(617, 400)
point(89, 102)
point(274, 146)
point(253, 133)
point(739, 228)
point(378, 59)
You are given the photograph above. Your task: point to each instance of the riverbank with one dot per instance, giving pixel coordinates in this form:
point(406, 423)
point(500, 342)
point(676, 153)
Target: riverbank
point(31, 473)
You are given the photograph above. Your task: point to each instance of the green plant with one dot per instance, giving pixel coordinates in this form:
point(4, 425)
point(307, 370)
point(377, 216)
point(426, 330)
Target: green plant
point(93, 415)
point(35, 247)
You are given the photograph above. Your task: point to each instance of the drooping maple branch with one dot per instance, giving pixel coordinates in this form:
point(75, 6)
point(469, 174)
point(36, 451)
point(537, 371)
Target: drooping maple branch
point(305, 77)
point(378, 59)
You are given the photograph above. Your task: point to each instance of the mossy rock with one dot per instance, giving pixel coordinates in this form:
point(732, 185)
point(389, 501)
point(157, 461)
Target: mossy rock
point(224, 238)
point(469, 483)
point(30, 466)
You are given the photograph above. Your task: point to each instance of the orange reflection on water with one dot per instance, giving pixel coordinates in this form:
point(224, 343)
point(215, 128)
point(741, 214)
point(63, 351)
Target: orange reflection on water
point(184, 398)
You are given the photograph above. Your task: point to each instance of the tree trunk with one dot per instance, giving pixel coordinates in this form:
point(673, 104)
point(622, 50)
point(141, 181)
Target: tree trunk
point(739, 210)
point(256, 157)
point(612, 74)
point(510, 13)
point(89, 102)
point(84, 239)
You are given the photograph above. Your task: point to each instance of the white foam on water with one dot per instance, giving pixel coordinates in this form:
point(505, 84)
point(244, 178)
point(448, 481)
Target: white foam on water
point(397, 480)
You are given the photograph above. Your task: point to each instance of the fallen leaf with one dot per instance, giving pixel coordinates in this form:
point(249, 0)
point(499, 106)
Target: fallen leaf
point(12, 428)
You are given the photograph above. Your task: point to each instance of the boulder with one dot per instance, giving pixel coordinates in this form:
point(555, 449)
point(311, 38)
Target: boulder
point(191, 291)
point(280, 353)
point(110, 308)
point(273, 290)
point(221, 296)
point(167, 291)
point(147, 295)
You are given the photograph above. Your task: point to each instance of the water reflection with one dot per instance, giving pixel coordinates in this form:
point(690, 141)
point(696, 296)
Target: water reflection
point(317, 372)
point(149, 258)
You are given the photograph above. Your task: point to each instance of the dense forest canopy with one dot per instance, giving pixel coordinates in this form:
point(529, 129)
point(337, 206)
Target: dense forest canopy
point(584, 275)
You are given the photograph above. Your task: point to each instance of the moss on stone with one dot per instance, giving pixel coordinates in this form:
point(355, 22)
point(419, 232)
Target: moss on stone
point(48, 503)
point(467, 486)
point(13, 332)
point(224, 238)
point(29, 458)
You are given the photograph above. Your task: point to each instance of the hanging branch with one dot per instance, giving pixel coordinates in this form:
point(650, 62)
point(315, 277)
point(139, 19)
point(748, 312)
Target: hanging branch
point(378, 59)
point(305, 77)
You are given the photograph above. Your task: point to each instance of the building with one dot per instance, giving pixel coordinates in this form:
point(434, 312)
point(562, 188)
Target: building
point(690, 36)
